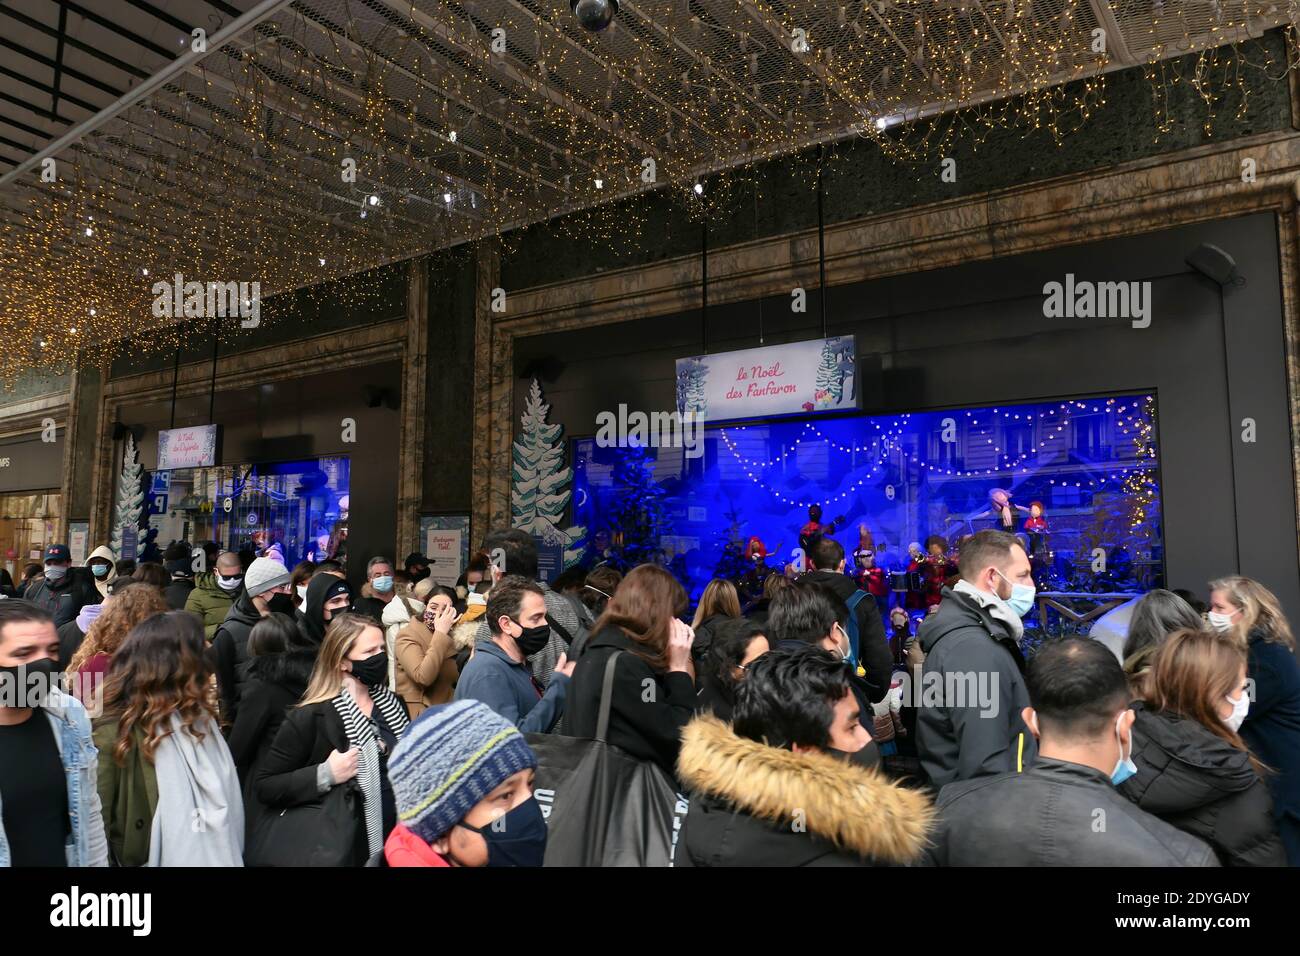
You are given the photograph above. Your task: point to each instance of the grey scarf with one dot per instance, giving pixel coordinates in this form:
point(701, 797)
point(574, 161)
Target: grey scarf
point(199, 820)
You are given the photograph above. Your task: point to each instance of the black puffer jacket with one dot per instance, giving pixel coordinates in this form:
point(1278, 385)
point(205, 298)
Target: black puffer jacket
point(230, 650)
point(958, 738)
point(1200, 783)
point(274, 683)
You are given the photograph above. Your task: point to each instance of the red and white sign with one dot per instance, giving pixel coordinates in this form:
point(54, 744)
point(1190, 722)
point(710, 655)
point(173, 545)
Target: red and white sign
point(801, 378)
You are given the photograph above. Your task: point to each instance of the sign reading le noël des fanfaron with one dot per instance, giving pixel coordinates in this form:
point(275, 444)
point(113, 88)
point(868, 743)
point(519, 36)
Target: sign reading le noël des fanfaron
point(193, 447)
point(801, 378)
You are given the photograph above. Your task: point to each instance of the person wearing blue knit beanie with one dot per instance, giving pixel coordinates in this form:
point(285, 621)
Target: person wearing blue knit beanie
point(462, 776)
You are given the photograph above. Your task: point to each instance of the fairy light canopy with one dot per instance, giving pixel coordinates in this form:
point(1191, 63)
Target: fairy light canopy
point(292, 142)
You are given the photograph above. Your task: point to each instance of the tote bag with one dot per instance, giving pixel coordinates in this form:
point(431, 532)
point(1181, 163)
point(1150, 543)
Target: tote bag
point(603, 806)
point(325, 832)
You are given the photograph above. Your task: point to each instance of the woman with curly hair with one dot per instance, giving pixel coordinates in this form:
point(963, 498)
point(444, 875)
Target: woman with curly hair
point(127, 606)
point(166, 779)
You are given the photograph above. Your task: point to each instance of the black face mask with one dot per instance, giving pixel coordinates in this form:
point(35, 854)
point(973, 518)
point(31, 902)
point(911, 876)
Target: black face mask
point(533, 639)
point(28, 684)
point(419, 574)
point(519, 839)
point(280, 604)
point(866, 758)
point(373, 671)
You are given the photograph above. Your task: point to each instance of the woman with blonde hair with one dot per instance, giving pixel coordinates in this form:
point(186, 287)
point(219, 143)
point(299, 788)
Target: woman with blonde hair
point(1252, 615)
point(1193, 770)
point(167, 782)
point(128, 605)
point(720, 602)
point(344, 728)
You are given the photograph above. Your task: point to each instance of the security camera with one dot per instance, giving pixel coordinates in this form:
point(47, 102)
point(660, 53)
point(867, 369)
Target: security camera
point(594, 15)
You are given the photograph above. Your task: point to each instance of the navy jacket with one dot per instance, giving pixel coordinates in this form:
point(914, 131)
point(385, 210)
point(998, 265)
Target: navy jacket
point(508, 688)
point(1272, 731)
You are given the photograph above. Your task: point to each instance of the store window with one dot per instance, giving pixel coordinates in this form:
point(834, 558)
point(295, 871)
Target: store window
point(1065, 500)
point(28, 523)
point(293, 510)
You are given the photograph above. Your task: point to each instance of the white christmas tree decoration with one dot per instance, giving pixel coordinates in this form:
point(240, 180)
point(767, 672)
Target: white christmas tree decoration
point(540, 480)
point(695, 400)
point(130, 496)
point(829, 379)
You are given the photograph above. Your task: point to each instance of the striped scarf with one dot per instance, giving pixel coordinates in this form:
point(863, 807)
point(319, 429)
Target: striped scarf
point(363, 735)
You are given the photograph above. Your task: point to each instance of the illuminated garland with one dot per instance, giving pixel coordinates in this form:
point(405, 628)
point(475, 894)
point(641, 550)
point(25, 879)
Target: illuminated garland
point(232, 171)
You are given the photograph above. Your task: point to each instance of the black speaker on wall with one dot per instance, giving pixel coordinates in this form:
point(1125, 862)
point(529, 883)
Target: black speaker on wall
point(1213, 263)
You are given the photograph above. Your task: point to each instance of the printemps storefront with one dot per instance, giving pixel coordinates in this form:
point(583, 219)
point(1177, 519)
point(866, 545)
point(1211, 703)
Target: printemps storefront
point(297, 508)
point(31, 503)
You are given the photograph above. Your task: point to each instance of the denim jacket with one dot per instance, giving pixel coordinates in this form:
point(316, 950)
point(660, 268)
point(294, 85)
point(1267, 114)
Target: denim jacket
point(88, 845)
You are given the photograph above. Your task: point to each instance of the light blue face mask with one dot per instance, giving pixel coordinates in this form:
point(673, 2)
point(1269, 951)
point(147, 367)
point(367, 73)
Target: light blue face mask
point(1124, 767)
point(1022, 596)
point(382, 584)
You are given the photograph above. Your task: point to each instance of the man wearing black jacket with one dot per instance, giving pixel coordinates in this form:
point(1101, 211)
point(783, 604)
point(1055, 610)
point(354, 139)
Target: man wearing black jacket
point(1064, 810)
point(64, 590)
point(972, 654)
point(177, 562)
point(266, 589)
point(827, 559)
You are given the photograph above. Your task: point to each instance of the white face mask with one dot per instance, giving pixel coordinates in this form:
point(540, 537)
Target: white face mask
point(846, 648)
point(302, 591)
point(1221, 622)
point(1240, 707)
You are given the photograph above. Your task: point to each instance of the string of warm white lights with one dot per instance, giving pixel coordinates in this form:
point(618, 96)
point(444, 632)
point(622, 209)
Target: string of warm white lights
point(338, 136)
point(1136, 477)
point(889, 442)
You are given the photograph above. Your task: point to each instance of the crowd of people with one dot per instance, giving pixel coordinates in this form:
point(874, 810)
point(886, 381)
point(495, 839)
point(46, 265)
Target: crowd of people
point(255, 714)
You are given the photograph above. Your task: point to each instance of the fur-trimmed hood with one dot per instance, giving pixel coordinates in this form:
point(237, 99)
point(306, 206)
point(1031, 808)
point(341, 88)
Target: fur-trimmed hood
point(465, 633)
point(857, 811)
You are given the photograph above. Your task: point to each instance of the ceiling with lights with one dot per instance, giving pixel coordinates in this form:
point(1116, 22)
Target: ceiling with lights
point(289, 142)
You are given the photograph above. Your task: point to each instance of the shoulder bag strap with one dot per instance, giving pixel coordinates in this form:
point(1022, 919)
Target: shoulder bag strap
point(606, 697)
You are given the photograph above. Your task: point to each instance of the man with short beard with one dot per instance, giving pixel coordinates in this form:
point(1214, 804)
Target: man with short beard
point(973, 641)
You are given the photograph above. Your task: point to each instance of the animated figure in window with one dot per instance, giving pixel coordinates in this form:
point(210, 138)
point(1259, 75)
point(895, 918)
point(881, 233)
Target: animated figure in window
point(757, 569)
point(815, 529)
point(936, 568)
point(872, 579)
point(602, 551)
point(1003, 511)
point(1036, 527)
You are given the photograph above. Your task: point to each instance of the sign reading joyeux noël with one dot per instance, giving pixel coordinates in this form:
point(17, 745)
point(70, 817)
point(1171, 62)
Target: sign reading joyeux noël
point(194, 447)
point(797, 379)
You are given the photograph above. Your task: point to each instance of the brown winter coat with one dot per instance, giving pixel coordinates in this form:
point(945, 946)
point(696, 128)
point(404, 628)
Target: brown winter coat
point(426, 667)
